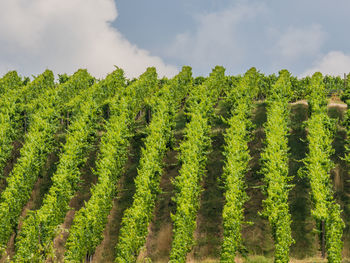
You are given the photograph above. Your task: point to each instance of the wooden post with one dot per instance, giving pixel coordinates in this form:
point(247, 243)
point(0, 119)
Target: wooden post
point(25, 122)
point(39, 234)
point(138, 115)
point(323, 243)
point(67, 119)
point(148, 115)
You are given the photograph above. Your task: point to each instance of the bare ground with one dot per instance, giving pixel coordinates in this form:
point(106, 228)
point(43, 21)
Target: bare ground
point(258, 238)
point(17, 145)
point(83, 195)
point(159, 239)
point(105, 252)
point(35, 201)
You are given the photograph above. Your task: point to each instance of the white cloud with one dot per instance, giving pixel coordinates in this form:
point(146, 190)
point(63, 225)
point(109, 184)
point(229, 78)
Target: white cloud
point(333, 63)
point(64, 35)
point(216, 38)
point(299, 42)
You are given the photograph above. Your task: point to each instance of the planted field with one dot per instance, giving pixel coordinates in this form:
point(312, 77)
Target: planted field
point(248, 168)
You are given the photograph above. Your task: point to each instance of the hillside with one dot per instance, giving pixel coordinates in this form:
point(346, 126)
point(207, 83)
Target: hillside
point(124, 170)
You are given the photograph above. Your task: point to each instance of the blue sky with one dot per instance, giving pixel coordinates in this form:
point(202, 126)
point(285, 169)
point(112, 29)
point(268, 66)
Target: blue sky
point(266, 34)
point(64, 35)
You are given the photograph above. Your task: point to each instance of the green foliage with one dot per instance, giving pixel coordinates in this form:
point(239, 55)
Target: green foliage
point(275, 169)
point(346, 93)
point(10, 125)
point(19, 104)
point(39, 85)
point(38, 143)
point(89, 222)
point(318, 165)
point(137, 218)
point(265, 84)
point(81, 99)
point(69, 90)
point(147, 83)
point(101, 91)
point(236, 166)
point(216, 83)
point(232, 83)
point(299, 87)
point(334, 232)
point(193, 153)
point(346, 124)
point(181, 86)
point(316, 93)
point(282, 89)
point(25, 81)
point(275, 159)
point(39, 227)
point(247, 87)
point(333, 84)
point(62, 78)
point(237, 157)
point(198, 80)
point(20, 182)
point(193, 157)
point(10, 81)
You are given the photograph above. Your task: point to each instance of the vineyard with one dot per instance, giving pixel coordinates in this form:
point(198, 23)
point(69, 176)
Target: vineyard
point(246, 168)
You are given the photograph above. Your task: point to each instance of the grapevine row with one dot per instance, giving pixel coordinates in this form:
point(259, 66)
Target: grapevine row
point(318, 166)
point(27, 100)
point(39, 228)
point(89, 222)
point(38, 143)
point(275, 167)
point(193, 157)
point(137, 218)
point(237, 157)
point(12, 105)
point(10, 81)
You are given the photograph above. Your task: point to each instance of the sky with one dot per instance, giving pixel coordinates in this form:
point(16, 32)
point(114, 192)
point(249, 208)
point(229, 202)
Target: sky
point(65, 35)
